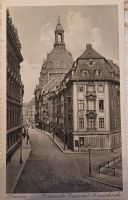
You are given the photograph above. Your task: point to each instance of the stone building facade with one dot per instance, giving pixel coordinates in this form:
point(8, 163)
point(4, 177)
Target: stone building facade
point(54, 68)
point(87, 104)
point(15, 88)
point(25, 113)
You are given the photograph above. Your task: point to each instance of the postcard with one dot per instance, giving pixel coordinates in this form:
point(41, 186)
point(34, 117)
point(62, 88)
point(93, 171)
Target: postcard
point(63, 80)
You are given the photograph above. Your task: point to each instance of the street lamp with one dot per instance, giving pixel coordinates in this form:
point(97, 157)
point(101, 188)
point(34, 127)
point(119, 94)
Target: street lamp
point(64, 137)
point(64, 140)
point(89, 159)
point(53, 130)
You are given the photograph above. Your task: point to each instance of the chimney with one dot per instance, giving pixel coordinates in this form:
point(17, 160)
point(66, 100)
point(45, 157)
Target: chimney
point(88, 46)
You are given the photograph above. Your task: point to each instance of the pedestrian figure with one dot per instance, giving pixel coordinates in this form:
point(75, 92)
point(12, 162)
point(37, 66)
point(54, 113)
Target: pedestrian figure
point(24, 132)
point(27, 138)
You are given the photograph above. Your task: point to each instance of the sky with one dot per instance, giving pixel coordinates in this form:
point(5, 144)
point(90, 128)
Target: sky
point(97, 25)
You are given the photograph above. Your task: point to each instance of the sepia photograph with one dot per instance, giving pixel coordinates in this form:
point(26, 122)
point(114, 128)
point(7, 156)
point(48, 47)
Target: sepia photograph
point(63, 99)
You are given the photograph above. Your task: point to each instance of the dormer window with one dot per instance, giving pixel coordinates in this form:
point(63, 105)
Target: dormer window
point(98, 72)
point(84, 72)
point(113, 74)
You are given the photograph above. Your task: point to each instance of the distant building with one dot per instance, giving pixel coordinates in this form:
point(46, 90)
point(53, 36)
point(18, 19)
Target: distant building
point(31, 112)
point(87, 104)
point(25, 113)
point(15, 88)
point(54, 68)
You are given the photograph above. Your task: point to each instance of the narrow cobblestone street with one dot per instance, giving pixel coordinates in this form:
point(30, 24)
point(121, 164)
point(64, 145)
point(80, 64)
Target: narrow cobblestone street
point(50, 170)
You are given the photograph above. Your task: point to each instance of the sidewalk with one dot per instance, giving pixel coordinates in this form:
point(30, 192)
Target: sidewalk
point(109, 180)
point(57, 141)
point(14, 168)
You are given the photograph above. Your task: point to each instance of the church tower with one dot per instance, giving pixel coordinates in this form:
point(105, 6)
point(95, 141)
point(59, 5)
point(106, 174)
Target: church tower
point(58, 61)
point(59, 35)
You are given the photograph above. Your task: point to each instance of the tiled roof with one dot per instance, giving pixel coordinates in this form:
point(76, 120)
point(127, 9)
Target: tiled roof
point(100, 68)
point(90, 53)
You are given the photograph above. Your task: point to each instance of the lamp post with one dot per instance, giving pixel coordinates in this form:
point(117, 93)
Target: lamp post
point(64, 139)
point(89, 159)
point(53, 130)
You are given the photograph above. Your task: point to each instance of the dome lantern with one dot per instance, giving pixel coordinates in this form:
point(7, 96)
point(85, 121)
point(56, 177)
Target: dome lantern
point(59, 35)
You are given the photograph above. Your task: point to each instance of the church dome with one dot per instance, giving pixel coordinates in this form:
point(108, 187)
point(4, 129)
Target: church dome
point(59, 58)
point(59, 61)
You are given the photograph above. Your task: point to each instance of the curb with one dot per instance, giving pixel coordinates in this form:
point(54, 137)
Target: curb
point(73, 152)
point(20, 171)
point(56, 144)
point(109, 184)
point(53, 141)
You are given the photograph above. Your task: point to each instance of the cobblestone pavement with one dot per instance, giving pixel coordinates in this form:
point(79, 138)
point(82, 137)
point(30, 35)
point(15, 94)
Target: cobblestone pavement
point(50, 170)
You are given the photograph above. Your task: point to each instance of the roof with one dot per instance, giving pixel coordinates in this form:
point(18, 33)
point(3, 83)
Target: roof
point(99, 69)
point(90, 53)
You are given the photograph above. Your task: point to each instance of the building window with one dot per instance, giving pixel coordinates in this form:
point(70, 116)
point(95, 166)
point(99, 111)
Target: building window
point(81, 105)
point(81, 141)
point(100, 88)
point(84, 72)
point(91, 62)
point(101, 104)
point(98, 72)
point(91, 123)
point(81, 123)
point(80, 88)
point(101, 122)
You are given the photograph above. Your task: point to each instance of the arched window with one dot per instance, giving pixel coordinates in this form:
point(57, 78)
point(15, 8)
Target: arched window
point(98, 72)
point(59, 37)
point(91, 62)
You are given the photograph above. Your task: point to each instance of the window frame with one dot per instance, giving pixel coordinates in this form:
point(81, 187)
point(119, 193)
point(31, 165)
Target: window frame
point(99, 89)
point(81, 141)
point(101, 109)
point(91, 123)
point(79, 88)
point(80, 105)
point(101, 122)
point(81, 123)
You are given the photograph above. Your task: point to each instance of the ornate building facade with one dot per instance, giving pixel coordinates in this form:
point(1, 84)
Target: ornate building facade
point(87, 104)
point(54, 68)
point(29, 112)
point(15, 88)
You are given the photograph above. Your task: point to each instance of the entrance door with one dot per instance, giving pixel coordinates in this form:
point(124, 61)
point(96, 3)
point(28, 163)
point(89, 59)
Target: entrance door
point(81, 141)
